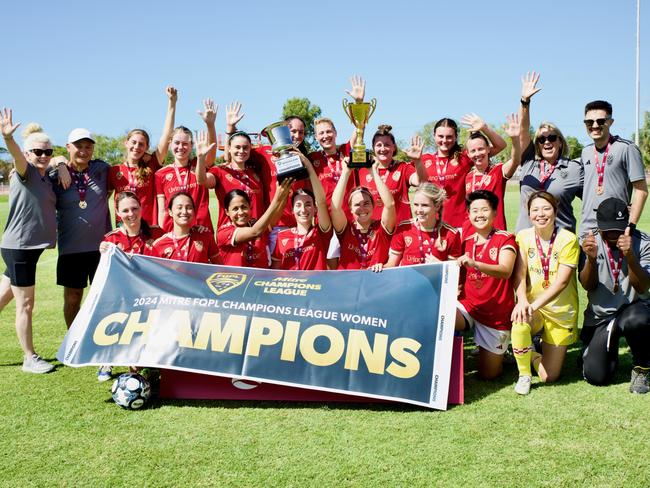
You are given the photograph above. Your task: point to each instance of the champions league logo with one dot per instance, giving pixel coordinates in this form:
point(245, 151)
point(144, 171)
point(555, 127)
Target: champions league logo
point(220, 283)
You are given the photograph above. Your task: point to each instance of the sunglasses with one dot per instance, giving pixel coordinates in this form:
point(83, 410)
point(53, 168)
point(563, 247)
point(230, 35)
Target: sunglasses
point(599, 122)
point(549, 138)
point(40, 152)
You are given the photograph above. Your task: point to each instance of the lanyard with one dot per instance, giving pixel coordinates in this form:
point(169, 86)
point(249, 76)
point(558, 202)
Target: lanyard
point(432, 239)
point(442, 177)
point(182, 183)
point(543, 175)
point(484, 177)
point(545, 259)
point(614, 265)
point(81, 180)
point(335, 168)
point(363, 241)
point(182, 252)
point(298, 243)
point(600, 167)
point(485, 246)
point(243, 178)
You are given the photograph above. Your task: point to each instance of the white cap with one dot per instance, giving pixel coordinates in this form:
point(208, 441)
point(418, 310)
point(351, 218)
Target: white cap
point(78, 134)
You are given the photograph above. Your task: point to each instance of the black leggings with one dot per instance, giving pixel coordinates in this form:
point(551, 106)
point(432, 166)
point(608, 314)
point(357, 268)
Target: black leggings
point(600, 357)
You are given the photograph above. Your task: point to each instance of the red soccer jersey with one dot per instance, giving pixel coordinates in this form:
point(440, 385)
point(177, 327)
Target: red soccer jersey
point(413, 244)
point(396, 177)
point(169, 182)
point(450, 175)
point(487, 299)
point(261, 158)
point(328, 169)
point(360, 251)
point(251, 254)
point(123, 178)
point(134, 245)
point(248, 180)
point(302, 252)
point(196, 247)
point(493, 181)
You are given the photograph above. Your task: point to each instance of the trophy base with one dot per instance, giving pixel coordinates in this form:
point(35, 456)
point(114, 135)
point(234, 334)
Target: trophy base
point(290, 167)
point(360, 159)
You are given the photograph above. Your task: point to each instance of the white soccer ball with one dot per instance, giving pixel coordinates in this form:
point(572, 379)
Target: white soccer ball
point(131, 391)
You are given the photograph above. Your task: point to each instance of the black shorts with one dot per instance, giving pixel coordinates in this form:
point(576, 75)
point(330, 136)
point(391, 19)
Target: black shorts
point(21, 265)
point(77, 270)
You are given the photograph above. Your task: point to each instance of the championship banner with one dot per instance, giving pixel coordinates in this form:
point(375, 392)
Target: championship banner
point(382, 335)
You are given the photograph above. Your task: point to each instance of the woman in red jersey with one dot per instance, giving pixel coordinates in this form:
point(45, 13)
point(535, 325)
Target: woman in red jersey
point(179, 176)
point(136, 173)
point(364, 241)
point(304, 247)
point(449, 165)
point(425, 238)
point(243, 241)
point(237, 174)
point(488, 176)
point(134, 235)
point(487, 296)
point(398, 176)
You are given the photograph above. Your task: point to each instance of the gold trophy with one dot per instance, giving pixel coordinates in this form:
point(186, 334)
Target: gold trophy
point(359, 113)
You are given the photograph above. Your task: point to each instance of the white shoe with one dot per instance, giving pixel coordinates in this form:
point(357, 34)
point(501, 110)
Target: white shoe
point(104, 373)
point(36, 364)
point(523, 385)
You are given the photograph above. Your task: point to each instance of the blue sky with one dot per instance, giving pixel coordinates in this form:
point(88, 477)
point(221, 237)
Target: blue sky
point(104, 65)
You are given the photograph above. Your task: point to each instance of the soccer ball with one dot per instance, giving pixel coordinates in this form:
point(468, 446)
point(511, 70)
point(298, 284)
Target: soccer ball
point(131, 391)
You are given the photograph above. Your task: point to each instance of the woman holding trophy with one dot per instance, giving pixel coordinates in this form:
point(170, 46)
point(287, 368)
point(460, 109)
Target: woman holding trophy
point(364, 241)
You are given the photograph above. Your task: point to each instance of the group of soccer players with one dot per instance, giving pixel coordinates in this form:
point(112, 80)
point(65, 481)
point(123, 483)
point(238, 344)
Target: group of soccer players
point(515, 289)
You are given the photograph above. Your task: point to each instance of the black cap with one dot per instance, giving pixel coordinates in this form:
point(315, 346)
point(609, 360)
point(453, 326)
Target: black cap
point(612, 214)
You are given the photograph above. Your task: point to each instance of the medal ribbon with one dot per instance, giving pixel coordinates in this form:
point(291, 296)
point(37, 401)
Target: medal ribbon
point(244, 179)
point(131, 240)
point(483, 177)
point(614, 265)
point(432, 239)
point(600, 168)
point(545, 259)
point(133, 184)
point(298, 243)
point(442, 177)
point(182, 183)
point(184, 251)
point(363, 240)
point(335, 169)
point(81, 180)
point(485, 246)
point(543, 175)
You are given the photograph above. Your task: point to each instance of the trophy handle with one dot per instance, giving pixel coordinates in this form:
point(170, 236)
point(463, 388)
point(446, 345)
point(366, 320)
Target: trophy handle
point(346, 104)
point(373, 106)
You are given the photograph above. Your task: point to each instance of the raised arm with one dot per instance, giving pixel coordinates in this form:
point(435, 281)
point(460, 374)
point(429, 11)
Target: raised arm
point(209, 116)
point(477, 124)
point(512, 128)
point(388, 214)
point(339, 219)
point(358, 92)
point(203, 147)
point(639, 277)
point(269, 218)
point(415, 154)
point(324, 221)
point(8, 128)
point(168, 128)
point(528, 89)
point(233, 115)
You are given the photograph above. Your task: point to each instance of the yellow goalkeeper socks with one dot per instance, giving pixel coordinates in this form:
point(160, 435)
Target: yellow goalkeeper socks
point(522, 345)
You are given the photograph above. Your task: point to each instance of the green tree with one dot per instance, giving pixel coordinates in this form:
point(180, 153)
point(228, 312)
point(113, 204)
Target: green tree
point(109, 149)
point(575, 148)
point(308, 112)
point(644, 139)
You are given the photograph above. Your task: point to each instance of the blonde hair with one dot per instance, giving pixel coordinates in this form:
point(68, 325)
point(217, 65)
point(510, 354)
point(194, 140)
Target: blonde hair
point(324, 120)
point(33, 134)
point(564, 148)
point(436, 194)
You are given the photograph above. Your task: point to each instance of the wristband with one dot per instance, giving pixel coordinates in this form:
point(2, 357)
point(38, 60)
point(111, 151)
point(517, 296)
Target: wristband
point(60, 163)
point(525, 103)
point(632, 227)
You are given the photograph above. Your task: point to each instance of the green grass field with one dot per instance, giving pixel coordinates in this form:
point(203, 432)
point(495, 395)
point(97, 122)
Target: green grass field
point(63, 429)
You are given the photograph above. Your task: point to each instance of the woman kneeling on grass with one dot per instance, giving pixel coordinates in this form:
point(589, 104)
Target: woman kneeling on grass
point(364, 241)
point(547, 294)
point(244, 240)
point(486, 300)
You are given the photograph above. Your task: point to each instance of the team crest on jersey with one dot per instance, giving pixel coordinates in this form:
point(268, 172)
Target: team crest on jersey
point(368, 178)
point(229, 177)
point(198, 245)
point(610, 159)
point(408, 240)
point(119, 175)
point(531, 252)
point(427, 164)
point(564, 173)
point(284, 242)
point(316, 163)
point(442, 245)
point(493, 253)
point(168, 177)
point(396, 175)
point(220, 283)
point(168, 251)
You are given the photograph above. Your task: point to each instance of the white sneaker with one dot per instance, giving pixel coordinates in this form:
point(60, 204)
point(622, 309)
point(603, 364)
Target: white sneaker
point(104, 373)
point(36, 364)
point(523, 385)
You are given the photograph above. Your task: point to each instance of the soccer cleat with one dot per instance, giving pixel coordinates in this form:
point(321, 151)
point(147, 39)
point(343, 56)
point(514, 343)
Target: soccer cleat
point(104, 373)
point(640, 380)
point(36, 364)
point(523, 385)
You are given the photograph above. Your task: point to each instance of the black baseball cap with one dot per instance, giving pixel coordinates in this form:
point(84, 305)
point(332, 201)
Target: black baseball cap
point(612, 214)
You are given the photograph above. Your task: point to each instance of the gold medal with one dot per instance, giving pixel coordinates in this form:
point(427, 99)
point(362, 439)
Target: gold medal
point(599, 190)
point(546, 284)
point(82, 204)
